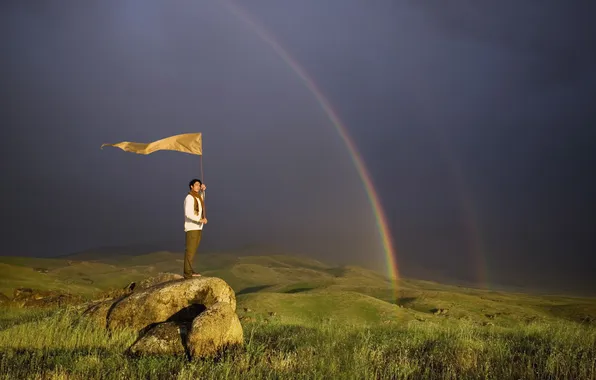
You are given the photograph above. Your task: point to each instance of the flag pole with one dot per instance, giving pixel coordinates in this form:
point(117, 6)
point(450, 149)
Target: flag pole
point(202, 176)
point(202, 179)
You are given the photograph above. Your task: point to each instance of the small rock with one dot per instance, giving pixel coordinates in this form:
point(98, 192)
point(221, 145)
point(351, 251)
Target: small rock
point(247, 310)
point(130, 287)
point(588, 319)
point(272, 313)
point(4, 299)
point(22, 294)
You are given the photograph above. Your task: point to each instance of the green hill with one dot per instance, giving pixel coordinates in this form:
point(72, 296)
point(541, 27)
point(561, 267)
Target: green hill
point(297, 288)
point(303, 319)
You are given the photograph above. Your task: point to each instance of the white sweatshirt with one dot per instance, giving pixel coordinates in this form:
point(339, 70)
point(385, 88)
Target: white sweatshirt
point(191, 220)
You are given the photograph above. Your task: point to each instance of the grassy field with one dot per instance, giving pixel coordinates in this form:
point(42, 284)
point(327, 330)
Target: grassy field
point(303, 319)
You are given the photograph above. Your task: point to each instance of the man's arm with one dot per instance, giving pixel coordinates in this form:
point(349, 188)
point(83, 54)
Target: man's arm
point(189, 210)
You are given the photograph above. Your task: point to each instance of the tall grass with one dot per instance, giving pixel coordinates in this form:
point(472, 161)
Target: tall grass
point(59, 344)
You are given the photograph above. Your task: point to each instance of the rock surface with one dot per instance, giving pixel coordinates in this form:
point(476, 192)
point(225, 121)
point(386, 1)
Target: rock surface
point(98, 311)
point(196, 316)
point(179, 300)
point(158, 279)
point(162, 339)
point(216, 328)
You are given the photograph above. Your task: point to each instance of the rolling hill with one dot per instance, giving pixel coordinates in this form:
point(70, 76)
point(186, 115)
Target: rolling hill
point(297, 289)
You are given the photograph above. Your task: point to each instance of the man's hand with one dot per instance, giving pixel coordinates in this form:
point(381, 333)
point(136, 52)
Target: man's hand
point(203, 187)
point(203, 221)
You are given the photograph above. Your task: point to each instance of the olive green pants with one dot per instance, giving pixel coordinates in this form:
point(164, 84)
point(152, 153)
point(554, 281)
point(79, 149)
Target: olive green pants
point(193, 239)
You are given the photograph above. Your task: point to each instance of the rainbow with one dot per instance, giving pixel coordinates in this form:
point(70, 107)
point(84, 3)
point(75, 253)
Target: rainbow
point(372, 194)
point(422, 96)
point(475, 243)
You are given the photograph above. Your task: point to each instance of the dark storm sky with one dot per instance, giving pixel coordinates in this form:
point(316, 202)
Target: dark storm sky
point(476, 123)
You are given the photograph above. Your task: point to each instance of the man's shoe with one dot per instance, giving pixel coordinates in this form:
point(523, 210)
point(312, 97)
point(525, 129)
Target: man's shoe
point(187, 276)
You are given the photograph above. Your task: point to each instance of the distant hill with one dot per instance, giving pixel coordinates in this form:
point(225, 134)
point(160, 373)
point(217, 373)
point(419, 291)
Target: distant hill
point(100, 253)
point(296, 288)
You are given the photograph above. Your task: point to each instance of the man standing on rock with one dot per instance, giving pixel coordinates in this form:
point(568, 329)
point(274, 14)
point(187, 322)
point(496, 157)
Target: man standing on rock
point(194, 219)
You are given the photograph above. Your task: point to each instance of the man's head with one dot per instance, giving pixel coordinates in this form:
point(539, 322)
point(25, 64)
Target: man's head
point(195, 185)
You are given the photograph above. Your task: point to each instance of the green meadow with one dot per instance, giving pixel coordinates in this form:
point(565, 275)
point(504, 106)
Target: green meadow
point(302, 319)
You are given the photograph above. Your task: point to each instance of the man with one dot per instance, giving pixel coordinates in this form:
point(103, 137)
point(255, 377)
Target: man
point(194, 220)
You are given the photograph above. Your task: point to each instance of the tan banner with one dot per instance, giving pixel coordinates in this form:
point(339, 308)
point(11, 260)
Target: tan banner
point(188, 143)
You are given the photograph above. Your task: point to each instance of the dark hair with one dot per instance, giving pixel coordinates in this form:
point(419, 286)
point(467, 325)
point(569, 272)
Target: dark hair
point(194, 181)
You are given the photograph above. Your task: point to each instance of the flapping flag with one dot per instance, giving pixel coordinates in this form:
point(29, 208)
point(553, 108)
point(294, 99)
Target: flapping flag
point(188, 143)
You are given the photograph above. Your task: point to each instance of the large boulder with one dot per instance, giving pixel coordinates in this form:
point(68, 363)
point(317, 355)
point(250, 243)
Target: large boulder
point(215, 329)
point(179, 300)
point(196, 317)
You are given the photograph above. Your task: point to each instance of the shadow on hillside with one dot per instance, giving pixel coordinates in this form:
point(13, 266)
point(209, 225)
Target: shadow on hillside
point(298, 290)
point(252, 289)
point(405, 301)
point(579, 312)
point(286, 338)
point(336, 272)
